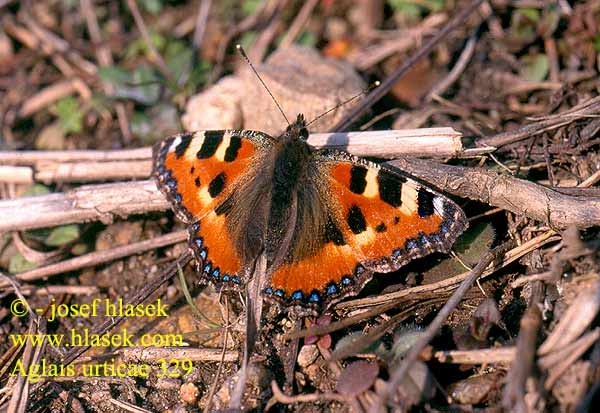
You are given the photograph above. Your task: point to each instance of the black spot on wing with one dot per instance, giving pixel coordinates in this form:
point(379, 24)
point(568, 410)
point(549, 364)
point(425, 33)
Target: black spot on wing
point(216, 185)
point(356, 220)
point(333, 233)
point(381, 227)
point(235, 143)
point(183, 145)
point(425, 203)
point(197, 181)
point(390, 187)
point(358, 183)
point(212, 140)
point(224, 207)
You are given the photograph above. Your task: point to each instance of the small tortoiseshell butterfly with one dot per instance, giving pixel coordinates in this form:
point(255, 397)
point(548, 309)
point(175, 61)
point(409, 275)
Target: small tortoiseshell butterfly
point(325, 220)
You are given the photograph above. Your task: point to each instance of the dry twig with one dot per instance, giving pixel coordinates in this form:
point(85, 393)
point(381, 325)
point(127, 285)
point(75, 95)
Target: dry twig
point(99, 257)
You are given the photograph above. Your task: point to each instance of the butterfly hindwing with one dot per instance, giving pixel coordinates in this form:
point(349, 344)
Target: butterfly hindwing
point(197, 171)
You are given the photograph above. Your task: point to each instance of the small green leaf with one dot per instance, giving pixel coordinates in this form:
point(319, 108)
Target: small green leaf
point(435, 6)
point(18, 263)
point(140, 124)
point(152, 6)
point(246, 39)
point(79, 249)
point(531, 14)
point(147, 85)
point(250, 6)
point(406, 8)
point(114, 75)
point(348, 343)
point(307, 39)
point(140, 47)
point(70, 115)
point(141, 85)
point(534, 67)
point(179, 58)
point(597, 43)
point(36, 189)
point(198, 76)
point(406, 338)
point(62, 235)
point(475, 242)
point(523, 26)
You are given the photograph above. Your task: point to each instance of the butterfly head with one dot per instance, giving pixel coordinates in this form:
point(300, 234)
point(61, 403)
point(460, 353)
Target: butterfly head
point(298, 129)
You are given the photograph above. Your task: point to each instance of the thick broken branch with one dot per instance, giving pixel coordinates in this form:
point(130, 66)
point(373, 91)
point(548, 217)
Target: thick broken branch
point(107, 201)
point(86, 203)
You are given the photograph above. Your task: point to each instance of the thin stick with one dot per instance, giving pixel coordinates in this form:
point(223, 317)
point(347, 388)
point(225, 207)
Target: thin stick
point(154, 55)
point(298, 23)
point(589, 108)
point(104, 57)
point(457, 70)
point(422, 142)
point(91, 166)
point(523, 366)
point(152, 354)
point(100, 257)
point(86, 203)
point(201, 19)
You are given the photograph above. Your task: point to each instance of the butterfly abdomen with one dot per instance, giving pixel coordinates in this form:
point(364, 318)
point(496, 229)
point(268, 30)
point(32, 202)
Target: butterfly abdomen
point(291, 171)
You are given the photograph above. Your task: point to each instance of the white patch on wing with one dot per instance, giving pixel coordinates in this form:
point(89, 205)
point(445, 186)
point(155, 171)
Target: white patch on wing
point(194, 147)
point(220, 153)
point(372, 187)
point(409, 199)
point(175, 144)
point(366, 237)
point(204, 196)
point(438, 204)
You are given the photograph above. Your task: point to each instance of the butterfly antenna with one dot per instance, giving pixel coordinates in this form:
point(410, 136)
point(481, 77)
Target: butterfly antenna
point(364, 92)
point(245, 56)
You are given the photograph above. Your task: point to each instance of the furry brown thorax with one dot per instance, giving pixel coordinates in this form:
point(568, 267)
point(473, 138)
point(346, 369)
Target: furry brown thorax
point(283, 200)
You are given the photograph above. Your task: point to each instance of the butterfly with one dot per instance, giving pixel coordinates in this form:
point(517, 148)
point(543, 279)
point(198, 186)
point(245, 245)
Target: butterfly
point(325, 220)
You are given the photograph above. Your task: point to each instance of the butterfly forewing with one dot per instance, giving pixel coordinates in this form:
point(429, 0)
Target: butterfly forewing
point(197, 172)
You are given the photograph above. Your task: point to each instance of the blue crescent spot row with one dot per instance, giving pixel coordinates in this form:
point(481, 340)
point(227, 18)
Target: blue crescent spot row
point(333, 289)
point(315, 297)
point(200, 251)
